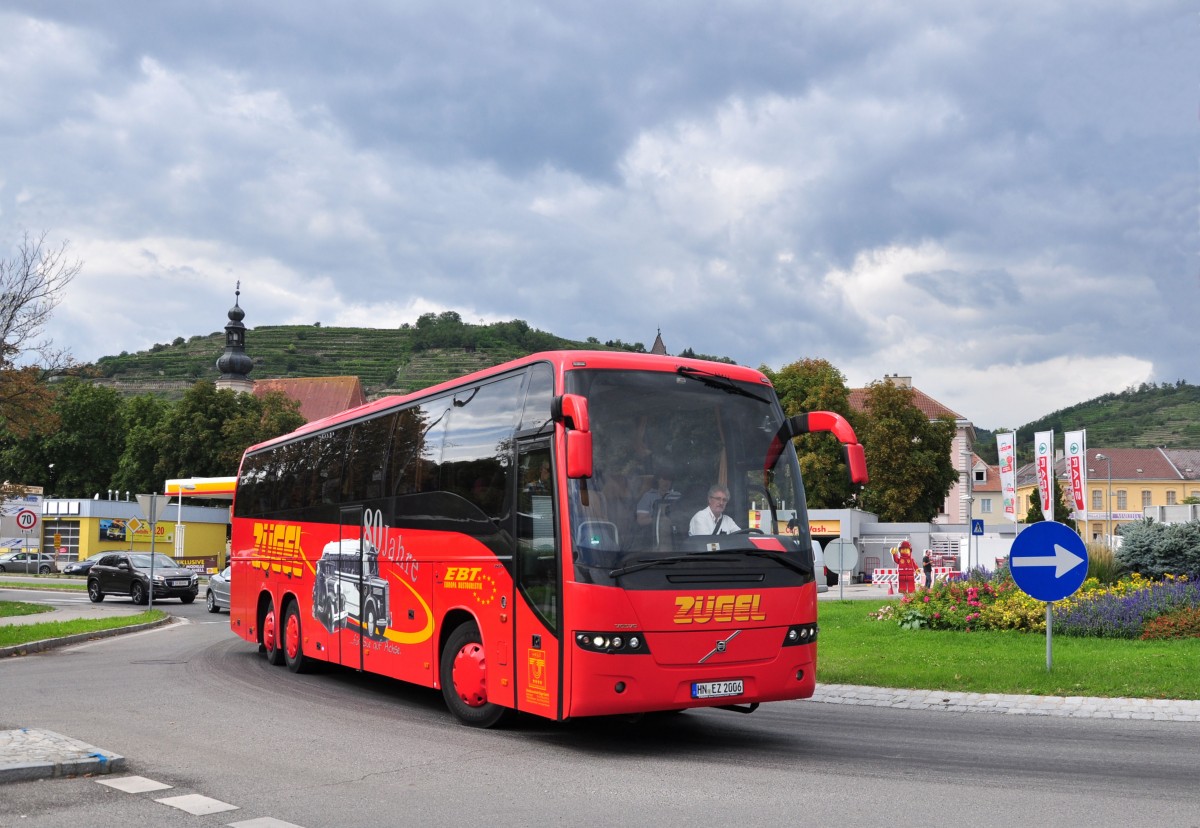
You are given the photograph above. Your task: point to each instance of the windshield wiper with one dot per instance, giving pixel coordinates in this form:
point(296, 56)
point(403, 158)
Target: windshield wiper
point(717, 381)
point(775, 556)
point(646, 564)
point(723, 555)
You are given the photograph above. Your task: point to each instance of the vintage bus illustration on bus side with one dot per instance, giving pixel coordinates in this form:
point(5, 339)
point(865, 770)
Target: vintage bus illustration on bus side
point(348, 592)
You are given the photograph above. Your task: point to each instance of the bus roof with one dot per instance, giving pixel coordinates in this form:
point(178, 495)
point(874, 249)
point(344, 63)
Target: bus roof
point(561, 361)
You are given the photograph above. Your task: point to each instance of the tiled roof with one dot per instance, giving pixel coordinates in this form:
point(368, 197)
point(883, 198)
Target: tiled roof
point(319, 397)
point(926, 404)
point(992, 481)
point(1128, 464)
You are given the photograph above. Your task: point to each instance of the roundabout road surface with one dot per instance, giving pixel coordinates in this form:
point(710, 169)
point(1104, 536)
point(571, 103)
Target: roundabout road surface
point(192, 706)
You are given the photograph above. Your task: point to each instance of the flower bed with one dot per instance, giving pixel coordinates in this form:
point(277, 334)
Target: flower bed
point(992, 601)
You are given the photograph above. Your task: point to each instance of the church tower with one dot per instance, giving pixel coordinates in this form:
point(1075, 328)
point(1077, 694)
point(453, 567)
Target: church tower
point(658, 347)
point(234, 364)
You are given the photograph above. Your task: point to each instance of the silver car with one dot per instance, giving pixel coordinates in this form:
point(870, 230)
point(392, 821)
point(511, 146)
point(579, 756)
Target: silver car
point(218, 591)
point(29, 562)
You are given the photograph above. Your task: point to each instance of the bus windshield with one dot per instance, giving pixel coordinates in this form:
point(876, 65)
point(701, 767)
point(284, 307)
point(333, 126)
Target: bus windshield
point(668, 446)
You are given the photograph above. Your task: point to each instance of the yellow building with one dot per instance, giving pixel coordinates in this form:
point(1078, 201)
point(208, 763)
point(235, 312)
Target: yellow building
point(76, 529)
point(1121, 484)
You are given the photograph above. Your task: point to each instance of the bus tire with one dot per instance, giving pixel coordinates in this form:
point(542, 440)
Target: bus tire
point(293, 641)
point(270, 637)
point(463, 674)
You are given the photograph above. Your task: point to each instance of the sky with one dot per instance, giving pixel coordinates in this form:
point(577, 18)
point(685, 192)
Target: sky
point(999, 200)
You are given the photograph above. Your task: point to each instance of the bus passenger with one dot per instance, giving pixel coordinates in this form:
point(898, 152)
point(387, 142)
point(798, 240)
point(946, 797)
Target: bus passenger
point(711, 520)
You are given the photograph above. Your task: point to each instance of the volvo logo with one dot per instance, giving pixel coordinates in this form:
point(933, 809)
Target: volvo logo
point(721, 646)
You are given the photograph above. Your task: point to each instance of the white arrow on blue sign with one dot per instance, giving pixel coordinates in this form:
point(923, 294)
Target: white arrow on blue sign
point(1048, 561)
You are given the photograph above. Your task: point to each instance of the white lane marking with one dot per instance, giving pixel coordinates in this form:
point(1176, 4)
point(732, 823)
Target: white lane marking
point(197, 805)
point(134, 784)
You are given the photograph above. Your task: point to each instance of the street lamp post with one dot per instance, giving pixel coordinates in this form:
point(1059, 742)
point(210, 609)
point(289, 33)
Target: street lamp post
point(1108, 502)
point(969, 498)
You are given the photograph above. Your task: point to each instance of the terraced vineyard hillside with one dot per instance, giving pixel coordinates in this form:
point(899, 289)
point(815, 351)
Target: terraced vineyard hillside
point(395, 359)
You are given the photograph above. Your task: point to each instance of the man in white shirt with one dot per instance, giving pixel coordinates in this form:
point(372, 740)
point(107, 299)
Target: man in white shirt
point(712, 520)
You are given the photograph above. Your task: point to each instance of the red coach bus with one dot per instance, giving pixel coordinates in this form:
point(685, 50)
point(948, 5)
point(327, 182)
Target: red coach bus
point(519, 538)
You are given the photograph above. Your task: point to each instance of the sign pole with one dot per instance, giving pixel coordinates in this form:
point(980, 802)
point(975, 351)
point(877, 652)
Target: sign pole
point(153, 532)
point(1049, 635)
point(1048, 562)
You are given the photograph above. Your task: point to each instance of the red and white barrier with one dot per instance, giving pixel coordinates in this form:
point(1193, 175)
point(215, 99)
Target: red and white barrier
point(885, 578)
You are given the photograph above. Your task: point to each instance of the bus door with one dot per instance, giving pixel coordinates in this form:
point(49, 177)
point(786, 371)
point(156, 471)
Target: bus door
point(350, 581)
point(537, 603)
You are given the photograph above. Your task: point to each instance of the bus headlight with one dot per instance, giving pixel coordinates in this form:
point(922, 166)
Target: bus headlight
point(612, 643)
point(798, 634)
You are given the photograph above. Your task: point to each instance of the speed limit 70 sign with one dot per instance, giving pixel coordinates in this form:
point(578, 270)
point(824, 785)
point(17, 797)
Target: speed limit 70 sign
point(27, 519)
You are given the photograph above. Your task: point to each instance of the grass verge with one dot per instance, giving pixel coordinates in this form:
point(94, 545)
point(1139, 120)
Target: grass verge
point(15, 634)
point(853, 649)
point(11, 608)
point(46, 582)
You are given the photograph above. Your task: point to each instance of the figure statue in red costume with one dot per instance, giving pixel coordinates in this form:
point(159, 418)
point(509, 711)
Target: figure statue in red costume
point(908, 567)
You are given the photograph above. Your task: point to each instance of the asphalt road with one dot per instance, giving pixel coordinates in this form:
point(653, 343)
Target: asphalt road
point(194, 707)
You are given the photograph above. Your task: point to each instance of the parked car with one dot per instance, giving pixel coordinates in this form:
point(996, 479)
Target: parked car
point(129, 573)
point(217, 595)
point(30, 562)
point(819, 567)
point(78, 567)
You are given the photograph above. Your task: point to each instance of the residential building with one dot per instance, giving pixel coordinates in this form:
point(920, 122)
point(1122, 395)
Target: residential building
point(1122, 483)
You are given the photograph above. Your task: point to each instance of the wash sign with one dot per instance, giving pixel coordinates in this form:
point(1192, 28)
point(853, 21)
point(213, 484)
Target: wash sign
point(1048, 561)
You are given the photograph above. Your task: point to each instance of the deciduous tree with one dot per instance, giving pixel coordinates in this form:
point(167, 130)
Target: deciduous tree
point(908, 456)
point(816, 385)
point(31, 286)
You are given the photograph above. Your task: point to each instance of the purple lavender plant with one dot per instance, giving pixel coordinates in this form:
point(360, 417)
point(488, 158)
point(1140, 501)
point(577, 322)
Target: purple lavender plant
point(1122, 616)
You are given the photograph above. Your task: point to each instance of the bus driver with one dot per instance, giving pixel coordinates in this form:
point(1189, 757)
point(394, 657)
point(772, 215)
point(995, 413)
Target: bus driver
point(711, 520)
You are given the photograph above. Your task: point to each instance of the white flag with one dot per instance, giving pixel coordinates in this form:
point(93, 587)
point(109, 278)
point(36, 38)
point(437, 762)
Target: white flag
point(1006, 445)
point(1075, 443)
point(1043, 451)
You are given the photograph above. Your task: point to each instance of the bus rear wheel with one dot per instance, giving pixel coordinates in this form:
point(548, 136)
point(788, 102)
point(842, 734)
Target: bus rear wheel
point(293, 641)
point(270, 637)
point(463, 674)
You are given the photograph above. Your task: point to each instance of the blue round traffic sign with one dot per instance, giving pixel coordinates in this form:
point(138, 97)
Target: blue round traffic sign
point(1048, 561)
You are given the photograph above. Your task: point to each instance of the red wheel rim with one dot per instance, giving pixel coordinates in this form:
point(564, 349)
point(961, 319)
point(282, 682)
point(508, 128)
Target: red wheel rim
point(291, 636)
point(269, 639)
point(470, 675)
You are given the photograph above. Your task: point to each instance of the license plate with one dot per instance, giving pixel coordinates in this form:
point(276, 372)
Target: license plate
point(716, 689)
point(180, 583)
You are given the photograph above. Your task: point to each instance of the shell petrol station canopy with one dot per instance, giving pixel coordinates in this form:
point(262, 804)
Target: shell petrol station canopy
point(216, 488)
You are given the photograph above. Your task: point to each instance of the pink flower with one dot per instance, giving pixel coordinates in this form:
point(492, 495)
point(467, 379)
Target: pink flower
point(926, 599)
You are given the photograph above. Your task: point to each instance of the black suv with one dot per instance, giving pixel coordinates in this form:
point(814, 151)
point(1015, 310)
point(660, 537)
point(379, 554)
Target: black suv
point(128, 573)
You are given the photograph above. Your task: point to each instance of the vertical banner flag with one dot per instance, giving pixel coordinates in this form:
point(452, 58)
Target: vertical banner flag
point(1007, 446)
point(1043, 450)
point(1075, 443)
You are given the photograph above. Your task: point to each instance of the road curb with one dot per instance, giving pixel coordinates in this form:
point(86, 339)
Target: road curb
point(27, 754)
point(31, 647)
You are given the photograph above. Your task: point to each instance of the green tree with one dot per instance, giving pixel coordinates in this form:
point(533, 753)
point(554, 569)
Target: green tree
point(908, 456)
point(1061, 510)
point(258, 419)
point(206, 433)
point(190, 441)
point(76, 454)
point(144, 417)
point(816, 385)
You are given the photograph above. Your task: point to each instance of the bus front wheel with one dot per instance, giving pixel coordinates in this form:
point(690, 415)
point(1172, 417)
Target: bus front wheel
point(464, 678)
